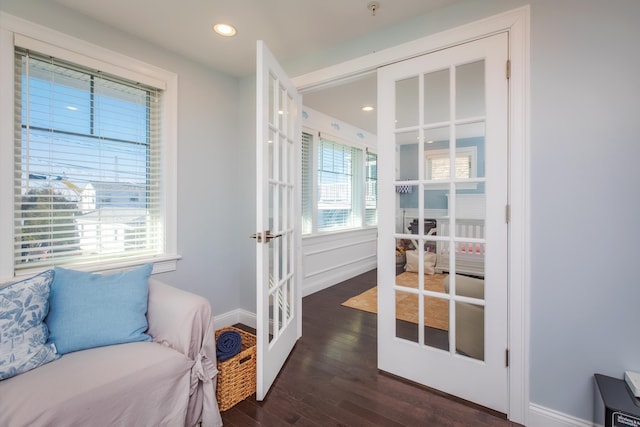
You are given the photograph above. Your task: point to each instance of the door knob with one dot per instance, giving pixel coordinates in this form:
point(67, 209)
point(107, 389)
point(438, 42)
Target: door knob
point(267, 236)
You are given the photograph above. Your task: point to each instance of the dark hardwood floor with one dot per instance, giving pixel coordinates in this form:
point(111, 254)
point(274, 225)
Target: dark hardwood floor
point(331, 377)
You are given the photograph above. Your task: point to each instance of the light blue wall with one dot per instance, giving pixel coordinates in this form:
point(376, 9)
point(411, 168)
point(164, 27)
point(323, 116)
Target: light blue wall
point(585, 146)
point(246, 146)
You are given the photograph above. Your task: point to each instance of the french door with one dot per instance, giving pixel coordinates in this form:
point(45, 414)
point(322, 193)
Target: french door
point(279, 300)
point(443, 149)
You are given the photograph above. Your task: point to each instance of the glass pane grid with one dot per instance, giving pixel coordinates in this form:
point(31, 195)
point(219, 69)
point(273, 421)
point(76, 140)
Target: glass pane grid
point(445, 184)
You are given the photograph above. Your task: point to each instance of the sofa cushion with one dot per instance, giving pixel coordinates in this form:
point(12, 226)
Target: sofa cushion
point(23, 333)
point(135, 384)
point(91, 310)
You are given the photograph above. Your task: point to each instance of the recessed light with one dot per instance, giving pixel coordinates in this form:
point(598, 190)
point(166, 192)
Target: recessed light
point(367, 108)
point(225, 30)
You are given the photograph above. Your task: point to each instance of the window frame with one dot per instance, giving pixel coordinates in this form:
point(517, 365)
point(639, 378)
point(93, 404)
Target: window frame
point(17, 32)
point(359, 187)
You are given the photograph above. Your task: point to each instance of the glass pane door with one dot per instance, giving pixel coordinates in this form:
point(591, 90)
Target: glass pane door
point(443, 307)
point(279, 302)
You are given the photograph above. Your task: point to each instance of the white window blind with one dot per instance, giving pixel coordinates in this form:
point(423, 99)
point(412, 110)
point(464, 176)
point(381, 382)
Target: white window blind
point(339, 185)
point(371, 189)
point(87, 165)
point(307, 183)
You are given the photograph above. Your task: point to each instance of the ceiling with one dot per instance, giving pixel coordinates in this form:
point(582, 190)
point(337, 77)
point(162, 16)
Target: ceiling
point(291, 29)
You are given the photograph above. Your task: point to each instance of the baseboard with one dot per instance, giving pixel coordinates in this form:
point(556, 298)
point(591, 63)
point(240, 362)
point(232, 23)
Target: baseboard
point(234, 316)
point(539, 416)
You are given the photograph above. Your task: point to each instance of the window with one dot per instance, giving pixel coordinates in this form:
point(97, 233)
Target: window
point(437, 165)
point(307, 183)
point(371, 189)
point(339, 186)
point(93, 178)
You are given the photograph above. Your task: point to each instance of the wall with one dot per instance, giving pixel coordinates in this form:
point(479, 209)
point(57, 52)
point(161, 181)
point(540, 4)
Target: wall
point(585, 106)
point(246, 152)
point(208, 237)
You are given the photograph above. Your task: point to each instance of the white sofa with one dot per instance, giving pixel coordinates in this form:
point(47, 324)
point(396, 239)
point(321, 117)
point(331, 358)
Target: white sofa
point(167, 382)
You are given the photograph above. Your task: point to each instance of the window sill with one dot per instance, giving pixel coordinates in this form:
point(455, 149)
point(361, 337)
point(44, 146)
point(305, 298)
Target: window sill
point(161, 264)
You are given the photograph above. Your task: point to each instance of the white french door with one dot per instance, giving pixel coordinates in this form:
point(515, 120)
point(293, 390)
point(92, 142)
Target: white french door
point(443, 150)
point(278, 138)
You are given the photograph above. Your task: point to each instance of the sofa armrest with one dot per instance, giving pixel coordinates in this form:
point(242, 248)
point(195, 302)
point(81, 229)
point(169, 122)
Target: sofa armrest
point(183, 321)
point(171, 314)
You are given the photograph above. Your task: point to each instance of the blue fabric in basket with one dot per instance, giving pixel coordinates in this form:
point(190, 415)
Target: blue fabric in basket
point(228, 345)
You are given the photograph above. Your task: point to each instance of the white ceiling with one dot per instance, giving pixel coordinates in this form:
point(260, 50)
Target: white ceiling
point(345, 102)
point(291, 28)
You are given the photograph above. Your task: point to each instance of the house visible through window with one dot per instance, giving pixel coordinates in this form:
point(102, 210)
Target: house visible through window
point(341, 192)
point(87, 166)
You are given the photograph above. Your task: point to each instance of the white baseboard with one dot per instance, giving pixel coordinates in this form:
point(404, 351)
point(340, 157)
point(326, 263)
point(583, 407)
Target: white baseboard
point(539, 416)
point(234, 316)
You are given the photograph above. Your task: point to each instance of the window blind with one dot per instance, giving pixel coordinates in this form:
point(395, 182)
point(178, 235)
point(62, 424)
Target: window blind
point(371, 189)
point(307, 183)
point(438, 166)
point(338, 205)
point(87, 165)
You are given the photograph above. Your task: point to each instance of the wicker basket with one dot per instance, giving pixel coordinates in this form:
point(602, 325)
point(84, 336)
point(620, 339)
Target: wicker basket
point(237, 375)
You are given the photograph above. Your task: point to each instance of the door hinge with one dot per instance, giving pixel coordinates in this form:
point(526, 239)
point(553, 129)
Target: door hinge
point(508, 69)
point(507, 213)
point(506, 357)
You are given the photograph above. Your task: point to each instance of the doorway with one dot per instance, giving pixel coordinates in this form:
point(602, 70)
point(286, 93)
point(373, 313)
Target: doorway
point(514, 23)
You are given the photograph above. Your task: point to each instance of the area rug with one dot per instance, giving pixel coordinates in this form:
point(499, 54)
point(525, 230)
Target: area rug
point(436, 313)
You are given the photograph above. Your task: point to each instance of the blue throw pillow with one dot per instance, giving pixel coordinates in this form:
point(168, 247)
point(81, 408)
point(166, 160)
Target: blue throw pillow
point(92, 310)
point(23, 333)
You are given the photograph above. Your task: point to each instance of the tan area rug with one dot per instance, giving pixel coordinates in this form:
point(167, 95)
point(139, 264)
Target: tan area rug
point(436, 313)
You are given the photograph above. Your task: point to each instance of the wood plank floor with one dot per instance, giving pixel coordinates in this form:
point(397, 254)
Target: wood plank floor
point(331, 378)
